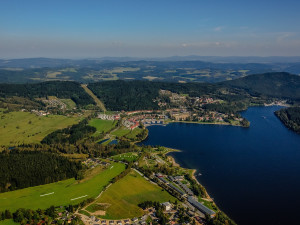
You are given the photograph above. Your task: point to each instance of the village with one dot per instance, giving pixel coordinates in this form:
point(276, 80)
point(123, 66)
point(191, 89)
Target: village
point(187, 209)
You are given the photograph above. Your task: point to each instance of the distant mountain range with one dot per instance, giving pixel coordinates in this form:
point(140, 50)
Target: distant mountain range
point(172, 69)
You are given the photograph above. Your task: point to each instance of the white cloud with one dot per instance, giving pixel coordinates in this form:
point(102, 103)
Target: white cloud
point(217, 29)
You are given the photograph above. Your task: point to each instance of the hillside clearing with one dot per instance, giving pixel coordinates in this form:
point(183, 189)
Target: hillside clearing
point(25, 127)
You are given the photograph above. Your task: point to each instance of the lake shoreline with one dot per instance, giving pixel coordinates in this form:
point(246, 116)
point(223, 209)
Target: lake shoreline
point(194, 171)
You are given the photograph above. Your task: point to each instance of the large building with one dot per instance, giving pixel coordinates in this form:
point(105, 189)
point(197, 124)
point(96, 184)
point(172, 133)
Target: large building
point(200, 207)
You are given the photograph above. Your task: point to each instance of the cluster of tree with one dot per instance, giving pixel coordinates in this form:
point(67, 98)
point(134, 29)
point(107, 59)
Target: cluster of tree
point(220, 219)
point(195, 187)
point(70, 135)
point(290, 117)
point(87, 146)
point(60, 89)
point(5, 215)
point(21, 169)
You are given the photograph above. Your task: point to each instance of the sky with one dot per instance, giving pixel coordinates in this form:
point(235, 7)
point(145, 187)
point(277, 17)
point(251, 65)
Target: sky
point(148, 28)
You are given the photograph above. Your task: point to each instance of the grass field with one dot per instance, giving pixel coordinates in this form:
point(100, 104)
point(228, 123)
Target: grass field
point(132, 134)
point(102, 125)
point(121, 132)
point(125, 195)
point(24, 127)
point(97, 100)
point(59, 193)
point(69, 102)
point(7, 222)
point(129, 156)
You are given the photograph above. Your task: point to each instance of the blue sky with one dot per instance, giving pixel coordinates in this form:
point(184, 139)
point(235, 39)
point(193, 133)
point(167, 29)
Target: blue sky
point(156, 28)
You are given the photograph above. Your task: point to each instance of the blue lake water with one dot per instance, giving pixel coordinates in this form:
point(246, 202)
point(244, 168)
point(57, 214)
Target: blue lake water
point(253, 173)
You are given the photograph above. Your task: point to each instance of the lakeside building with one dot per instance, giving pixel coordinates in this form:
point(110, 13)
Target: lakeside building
point(185, 188)
point(202, 208)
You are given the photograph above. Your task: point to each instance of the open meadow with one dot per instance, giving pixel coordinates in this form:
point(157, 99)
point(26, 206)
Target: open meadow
point(102, 125)
point(8, 222)
point(128, 157)
point(65, 192)
point(24, 127)
point(124, 196)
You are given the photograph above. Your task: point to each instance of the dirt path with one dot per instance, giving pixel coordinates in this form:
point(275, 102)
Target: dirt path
point(97, 100)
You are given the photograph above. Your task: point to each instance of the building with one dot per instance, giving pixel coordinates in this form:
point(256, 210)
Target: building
point(167, 206)
point(185, 188)
point(177, 189)
point(202, 208)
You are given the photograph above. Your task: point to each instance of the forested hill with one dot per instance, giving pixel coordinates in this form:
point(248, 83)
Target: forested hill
point(136, 95)
point(290, 117)
point(60, 89)
point(21, 169)
point(279, 85)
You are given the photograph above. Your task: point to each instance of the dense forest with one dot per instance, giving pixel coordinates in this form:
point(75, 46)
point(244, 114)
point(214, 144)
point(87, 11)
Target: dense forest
point(278, 85)
point(290, 118)
point(21, 169)
point(60, 89)
point(137, 95)
point(239, 94)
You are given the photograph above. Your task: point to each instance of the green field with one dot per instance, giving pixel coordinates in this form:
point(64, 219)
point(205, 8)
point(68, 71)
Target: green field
point(129, 156)
point(64, 191)
point(121, 132)
point(69, 102)
point(132, 134)
point(102, 125)
point(7, 222)
point(24, 127)
point(125, 195)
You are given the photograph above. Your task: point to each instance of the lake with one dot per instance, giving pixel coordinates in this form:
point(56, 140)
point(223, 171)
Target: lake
point(252, 173)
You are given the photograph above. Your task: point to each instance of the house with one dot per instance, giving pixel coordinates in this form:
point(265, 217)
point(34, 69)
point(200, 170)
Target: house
point(163, 180)
point(119, 222)
point(135, 220)
point(180, 178)
point(167, 206)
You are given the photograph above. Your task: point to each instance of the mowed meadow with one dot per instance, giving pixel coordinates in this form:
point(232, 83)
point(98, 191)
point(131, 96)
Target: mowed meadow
point(124, 196)
point(65, 192)
point(24, 127)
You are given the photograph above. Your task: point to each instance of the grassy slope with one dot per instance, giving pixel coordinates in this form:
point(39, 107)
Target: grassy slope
point(7, 222)
point(127, 193)
point(15, 127)
point(102, 125)
point(98, 102)
point(121, 132)
point(64, 191)
point(134, 133)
